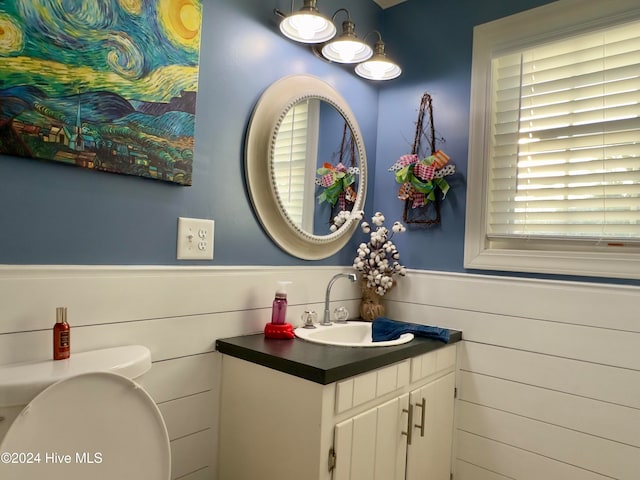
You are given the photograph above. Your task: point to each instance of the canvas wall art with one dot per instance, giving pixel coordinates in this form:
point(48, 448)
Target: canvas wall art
point(108, 85)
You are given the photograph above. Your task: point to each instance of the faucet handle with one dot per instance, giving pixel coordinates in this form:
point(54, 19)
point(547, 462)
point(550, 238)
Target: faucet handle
point(341, 314)
point(309, 317)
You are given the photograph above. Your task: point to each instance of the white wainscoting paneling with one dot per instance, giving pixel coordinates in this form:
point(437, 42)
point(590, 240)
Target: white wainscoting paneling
point(548, 373)
point(178, 313)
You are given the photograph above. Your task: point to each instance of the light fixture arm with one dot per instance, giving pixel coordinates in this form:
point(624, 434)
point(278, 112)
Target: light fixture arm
point(348, 27)
point(373, 31)
point(378, 46)
point(333, 17)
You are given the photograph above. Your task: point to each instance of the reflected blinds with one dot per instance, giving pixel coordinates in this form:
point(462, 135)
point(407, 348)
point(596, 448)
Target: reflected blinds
point(290, 160)
point(565, 140)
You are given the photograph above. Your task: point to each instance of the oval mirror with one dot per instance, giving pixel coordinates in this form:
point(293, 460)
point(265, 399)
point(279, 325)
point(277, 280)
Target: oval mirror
point(305, 166)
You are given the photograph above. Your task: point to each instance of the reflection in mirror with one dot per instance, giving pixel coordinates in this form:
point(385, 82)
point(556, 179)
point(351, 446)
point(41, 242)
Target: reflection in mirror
point(314, 151)
point(337, 176)
point(294, 159)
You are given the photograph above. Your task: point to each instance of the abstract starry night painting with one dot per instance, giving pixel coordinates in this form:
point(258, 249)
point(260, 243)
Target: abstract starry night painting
point(108, 85)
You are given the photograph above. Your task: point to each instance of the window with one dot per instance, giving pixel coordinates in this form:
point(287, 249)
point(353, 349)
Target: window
point(554, 162)
point(294, 160)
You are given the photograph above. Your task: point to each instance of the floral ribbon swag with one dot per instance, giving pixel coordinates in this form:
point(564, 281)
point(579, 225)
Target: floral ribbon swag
point(337, 182)
point(419, 179)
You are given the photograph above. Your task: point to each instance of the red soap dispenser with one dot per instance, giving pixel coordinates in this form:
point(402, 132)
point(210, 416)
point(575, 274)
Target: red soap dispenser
point(61, 335)
point(279, 328)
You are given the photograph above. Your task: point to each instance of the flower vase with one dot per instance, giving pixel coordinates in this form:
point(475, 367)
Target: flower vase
point(371, 306)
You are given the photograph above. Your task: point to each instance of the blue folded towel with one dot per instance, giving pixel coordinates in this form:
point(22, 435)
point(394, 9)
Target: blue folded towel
point(384, 329)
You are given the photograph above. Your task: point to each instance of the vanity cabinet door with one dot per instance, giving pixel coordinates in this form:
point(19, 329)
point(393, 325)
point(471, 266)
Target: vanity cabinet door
point(370, 446)
point(429, 454)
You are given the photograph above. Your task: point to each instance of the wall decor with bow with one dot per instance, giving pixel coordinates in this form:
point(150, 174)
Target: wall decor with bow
point(337, 181)
point(420, 179)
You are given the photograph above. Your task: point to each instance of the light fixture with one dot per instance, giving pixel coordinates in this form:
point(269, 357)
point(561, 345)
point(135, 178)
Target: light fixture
point(378, 67)
point(346, 48)
point(307, 25)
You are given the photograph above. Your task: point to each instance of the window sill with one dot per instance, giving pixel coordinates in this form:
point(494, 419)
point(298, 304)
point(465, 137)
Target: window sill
point(605, 264)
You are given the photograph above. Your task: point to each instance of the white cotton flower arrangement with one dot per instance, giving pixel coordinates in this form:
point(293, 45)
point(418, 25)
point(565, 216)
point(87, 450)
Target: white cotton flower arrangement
point(377, 261)
point(340, 219)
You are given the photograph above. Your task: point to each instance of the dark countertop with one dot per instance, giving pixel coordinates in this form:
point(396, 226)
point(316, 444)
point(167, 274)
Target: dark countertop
point(323, 364)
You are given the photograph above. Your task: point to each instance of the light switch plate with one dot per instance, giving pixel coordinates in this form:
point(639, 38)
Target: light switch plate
point(195, 239)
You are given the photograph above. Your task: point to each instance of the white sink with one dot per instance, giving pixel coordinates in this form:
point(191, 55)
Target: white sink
point(350, 334)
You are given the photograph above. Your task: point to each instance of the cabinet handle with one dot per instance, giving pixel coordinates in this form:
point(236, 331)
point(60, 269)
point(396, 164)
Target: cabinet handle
point(409, 431)
point(423, 407)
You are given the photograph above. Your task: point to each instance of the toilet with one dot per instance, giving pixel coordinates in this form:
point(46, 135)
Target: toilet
point(84, 417)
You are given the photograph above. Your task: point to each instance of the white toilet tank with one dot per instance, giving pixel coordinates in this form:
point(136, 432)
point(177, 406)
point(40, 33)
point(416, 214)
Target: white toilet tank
point(21, 382)
point(56, 409)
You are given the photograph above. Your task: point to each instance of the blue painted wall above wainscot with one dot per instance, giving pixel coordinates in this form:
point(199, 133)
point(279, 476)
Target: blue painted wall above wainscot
point(433, 41)
point(57, 214)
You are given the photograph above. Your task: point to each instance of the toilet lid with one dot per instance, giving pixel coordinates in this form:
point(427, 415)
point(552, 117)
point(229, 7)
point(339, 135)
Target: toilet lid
point(97, 425)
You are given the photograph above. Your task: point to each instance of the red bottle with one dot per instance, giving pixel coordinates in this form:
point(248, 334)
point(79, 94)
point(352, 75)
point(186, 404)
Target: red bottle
point(278, 327)
point(61, 335)
point(279, 307)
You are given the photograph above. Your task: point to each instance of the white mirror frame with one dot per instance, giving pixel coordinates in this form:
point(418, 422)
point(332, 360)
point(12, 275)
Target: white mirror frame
point(265, 122)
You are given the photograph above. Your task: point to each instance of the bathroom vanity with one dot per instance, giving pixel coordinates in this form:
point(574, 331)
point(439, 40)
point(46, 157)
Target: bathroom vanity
point(291, 409)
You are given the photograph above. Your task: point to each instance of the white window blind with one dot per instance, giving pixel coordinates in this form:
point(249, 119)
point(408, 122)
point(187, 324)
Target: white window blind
point(564, 160)
point(294, 161)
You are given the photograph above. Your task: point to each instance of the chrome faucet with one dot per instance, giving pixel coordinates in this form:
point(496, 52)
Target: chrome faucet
point(327, 316)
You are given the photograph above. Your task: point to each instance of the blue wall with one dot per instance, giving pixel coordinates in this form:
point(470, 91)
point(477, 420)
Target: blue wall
point(436, 45)
point(433, 42)
point(57, 214)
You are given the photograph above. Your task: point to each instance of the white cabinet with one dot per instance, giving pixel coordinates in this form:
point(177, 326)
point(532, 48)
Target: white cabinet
point(408, 437)
point(432, 433)
point(370, 445)
point(278, 426)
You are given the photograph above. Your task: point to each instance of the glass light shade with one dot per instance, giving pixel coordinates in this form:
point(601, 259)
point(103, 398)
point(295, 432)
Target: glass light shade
point(379, 67)
point(308, 25)
point(347, 48)
point(347, 51)
point(376, 69)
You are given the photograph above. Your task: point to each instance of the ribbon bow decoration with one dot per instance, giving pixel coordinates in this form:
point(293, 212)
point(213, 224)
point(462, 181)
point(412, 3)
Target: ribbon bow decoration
point(337, 182)
point(420, 178)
